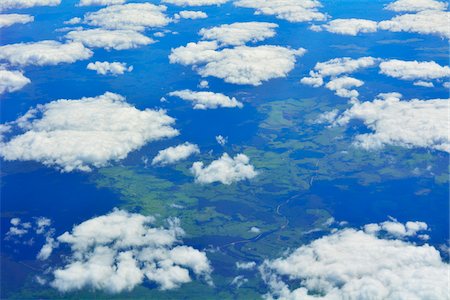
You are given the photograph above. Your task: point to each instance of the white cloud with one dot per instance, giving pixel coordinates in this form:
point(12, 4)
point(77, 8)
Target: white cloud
point(118, 251)
point(109, 39)
point(175, 154)
point(290, 10)
point(43, 53)
point(100, 2)
point(10, 19)
point(396, 229)
point(203, 84)
point(416, 5)
point(414, 123)
point(207, 100)
point(89, 132)
point(225, 170)
point(73, 21)
point(190, 14)
point(413, 70)
point(352, 264)
point(195, 2)
point(342, 85)
point(105, 68)
point(425, 22)
point(221, 140)
point(11, 81)
point(239, 65)
point(314, 81)
point(246, 265)
point(10, 4)
point(349, 26)
point(132, 16)
point(239, 33)
point(423, 83)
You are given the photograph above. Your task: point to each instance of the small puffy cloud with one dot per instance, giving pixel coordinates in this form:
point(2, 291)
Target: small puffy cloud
point(100, 2)
point(239, 65)
point(314, 81)
point(109, 39)
point(414, 70)
point(73, 21)
point(245, 265)
point(11, 4)
point(207, 100)
point(195, 2)
point(225, 170)
point(10, 19)
point(132, 16)
point(175, 154)
point(221, 140)
point(423, 83)
point(396, 229)
point(190, 14)
point(344, 65)
point(425, 22)
point(239, 33)
point(342, 85)
point(11, 81)
point(43, 53)
point(353, 264)
point(105, 68)
point(120, 250)
point(290, 10)
point(416, 5)
point(414, 123)
point(203, 84)
point(85, 133)
point(348, 26)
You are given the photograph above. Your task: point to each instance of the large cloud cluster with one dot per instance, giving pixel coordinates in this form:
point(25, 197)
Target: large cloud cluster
point(355, 264)
point(11, 81)
point(10, 19)
point(413, 123)
point(290, 10)
point(11, 4)
point(207, 100)
point(225, 170)
point(175, 154)
point(85, 133)
point(118, 251)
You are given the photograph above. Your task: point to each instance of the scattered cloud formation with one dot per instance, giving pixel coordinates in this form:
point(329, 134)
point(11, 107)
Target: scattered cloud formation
point(120, 250)
point(290, 10)
point(225, 170)
point(109, 39)
point(239, 33)
point(416, 5)
point(11, 19)
point(175, 154)
point(342, 85)
point(207, 100)
point(43, 53)
point(396, 229)
point(414, 70)
point(106, 68)
point(413, 123)
point(190, 14)
point(354, 264)
point(85, 133)
point(11, 81)
point(348, 26)
point(11, 4)
point(100, 2)
point(195, 2)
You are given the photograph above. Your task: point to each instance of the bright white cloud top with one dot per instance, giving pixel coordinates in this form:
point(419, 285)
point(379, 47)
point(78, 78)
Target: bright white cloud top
point(207, 100)
point(414, 70)
point(239, 33)
point(348, 26)
point(120, 250)
point(11, 81)
point(107, 68)
point(12, 4)
point(109, 39)
point(44, 53)
point(175, 154)
point(416, 5)
point(354, 264)
point(11, 19)
point(342, 86)
point(225, 170)
point(85, 133)
point(190, 14)
point(100, 2)
point(290, 10)
point(397, 229)
point(411, 124)
point(195, 2)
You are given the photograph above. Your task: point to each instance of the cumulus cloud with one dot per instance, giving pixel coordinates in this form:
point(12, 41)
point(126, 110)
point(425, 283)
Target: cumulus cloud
point(43, 53)
point(105, 68)
point(342, 85)
point(239, 33)
point(195, 2)
point(353, 264)
point(11, 81)
point(416, 5)
point(396, 229)
point(109, 39)
point(175, 154)
point(290, 10)
point(207, 100)
point(120, 250)
point(348, 26)
point(225, 170)
point(11, 4)
point(10, 19)
point(414, 123)
point(414, 70)
point(190, 14)
point(85, 133)
point(221, 140)
point(132, 16)
point(239, 65)
point(100, 2)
